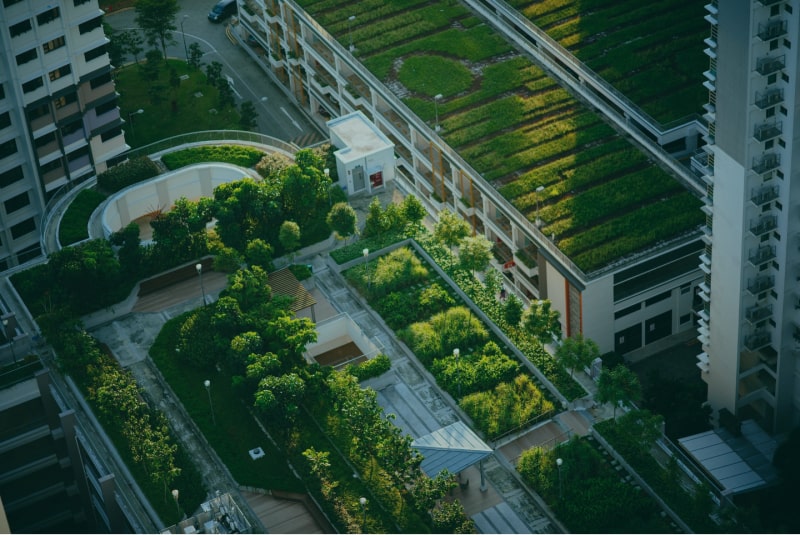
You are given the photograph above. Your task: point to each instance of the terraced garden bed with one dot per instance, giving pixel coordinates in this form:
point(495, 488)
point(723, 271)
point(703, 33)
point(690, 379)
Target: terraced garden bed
point(652, 52)
point(518, 128)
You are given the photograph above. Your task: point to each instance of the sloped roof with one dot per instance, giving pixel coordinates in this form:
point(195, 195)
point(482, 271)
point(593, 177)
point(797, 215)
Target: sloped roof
point(283, 282)
point(454, 447)
point(725, 465)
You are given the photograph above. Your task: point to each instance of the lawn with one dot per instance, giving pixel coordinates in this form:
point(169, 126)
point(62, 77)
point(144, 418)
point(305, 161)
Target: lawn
point(192, 106)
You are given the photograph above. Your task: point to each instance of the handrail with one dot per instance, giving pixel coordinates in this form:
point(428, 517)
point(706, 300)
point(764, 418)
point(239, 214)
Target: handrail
point(212, 135)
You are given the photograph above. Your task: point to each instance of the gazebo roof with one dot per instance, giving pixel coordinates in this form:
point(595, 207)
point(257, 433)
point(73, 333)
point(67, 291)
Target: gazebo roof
point(283, 282)
point(454, 447)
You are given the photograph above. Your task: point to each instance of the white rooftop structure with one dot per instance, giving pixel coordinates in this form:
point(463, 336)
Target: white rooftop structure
point(364, 152)
point(454, 447)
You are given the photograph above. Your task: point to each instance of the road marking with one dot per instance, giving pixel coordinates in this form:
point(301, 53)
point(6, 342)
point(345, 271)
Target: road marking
point(290, 118)
point(230, 83)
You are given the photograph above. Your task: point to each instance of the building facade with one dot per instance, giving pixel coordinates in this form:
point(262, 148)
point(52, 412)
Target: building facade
point(59, 118)
point(623, 307)
point(750, 322)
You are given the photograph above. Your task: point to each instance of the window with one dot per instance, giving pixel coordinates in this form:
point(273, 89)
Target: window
point(769, 144)
point(2, 92)
point(77, 3)
point(8, 3)
point(71, 128)
point(782, 143)
point(770, 112)
point(12, 175)
point(44, 140)
point(628, 310)
point(16, 202)
point(105, 108)
point(95, 53)
point(53, 166)
point(785, 77)
point(90, 25)
point(58, 73)
point(20, 229)
point(773, 45)
point(32, 85)
point(686, 318)
point(49, 46)
point(772, 78)
point(20, 28)
point(657, 298)
point(111, 134)
point(5, 120)
point(778, 205)
point(8, 148)
point(64, 100)
point(25, 57)
point(47, 16)
point(100, 80)
point(774, 11)
point(784, 111)
point(788, 8)
point(787, 43)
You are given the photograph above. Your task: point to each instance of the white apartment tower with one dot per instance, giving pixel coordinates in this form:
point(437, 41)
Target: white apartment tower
point(750, 322)
point(59, 119)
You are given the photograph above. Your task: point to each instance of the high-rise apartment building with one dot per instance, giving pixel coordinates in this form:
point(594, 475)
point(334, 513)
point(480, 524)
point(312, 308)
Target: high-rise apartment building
point(750, 322)
point(59, 119)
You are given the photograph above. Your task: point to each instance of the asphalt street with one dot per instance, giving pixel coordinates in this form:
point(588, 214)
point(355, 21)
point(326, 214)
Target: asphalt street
point(278, 115)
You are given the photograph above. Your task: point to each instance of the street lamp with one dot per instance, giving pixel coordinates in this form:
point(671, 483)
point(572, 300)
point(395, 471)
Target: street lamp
point(365, 252)
point(207, 384)
point(436, 100)
point(456, 354)
point(199, 268)
point(130, 119)
point(10, 338)
point(175, 494)
point(350, 20)
point(538, 221)
point(363, 501)
point(559, 462)
point(185, 50)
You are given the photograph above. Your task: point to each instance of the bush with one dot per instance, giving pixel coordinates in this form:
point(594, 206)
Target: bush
point(233, 154)
point(74, 225)
point(126, 174)
point(371, 368)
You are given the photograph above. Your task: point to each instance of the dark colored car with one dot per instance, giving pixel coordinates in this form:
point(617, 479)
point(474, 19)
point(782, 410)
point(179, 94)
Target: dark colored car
point(222, 10)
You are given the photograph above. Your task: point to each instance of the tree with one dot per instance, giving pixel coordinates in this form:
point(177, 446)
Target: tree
point(174, 83)
point(475, 253)
point(512, 310)
point(246, 210)
point(577, 352)
point(542, 322)
point(376, 222)
point(195, 55)
point(149, 70)
point(412, 211)
point(342, 220)
point(248, 116)
point(259, 253)
point(289, 237)
point(132, 43)
point(157, 19)
point(450, 517)
point(226, 97)
point(618, 385)
point(116, 45)
point(450, 229)
point(213, 73)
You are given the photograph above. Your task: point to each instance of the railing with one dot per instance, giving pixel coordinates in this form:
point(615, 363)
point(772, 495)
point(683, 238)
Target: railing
point(764, 195)
point(758, 312)
point(760, 284)
point(757, 340)
point(767, 162)
point(766, 66)
point(763, 254)
point(769, 98)
point(764, 224)
point(212, 136)
point(772, 30)
point(765, 131)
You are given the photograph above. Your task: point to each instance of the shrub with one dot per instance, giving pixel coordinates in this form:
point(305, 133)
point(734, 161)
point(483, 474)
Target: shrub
point(233, 154)
point(74, 225)
point(482, 370)
point(397, 270)
point(371, 368)
point(127, 173)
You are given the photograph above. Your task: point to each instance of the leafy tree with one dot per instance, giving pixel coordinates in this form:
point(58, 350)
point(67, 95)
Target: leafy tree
point(475, 253)
point(450, 229)
point(213, 73)
point(543, 322)
point(226, 97)
point(512, 310)
point(397, 270)
point(289, 237)
point(577, 352)
point(180, 234)
point(248, 116)
point(279, 396)
point(618, 385)
point(195, 56)
point(304, 191)
point(246, 210)
point(428, 491)
point(259, 253)
point(342, 220)
point(132, 43)
point(228, 260)
point(376, 222)
point(157, 19)
point(450, 517)
point(116, 45)
point(130, 252)
point(412, 211)
point(272, 164)
point(150, 69)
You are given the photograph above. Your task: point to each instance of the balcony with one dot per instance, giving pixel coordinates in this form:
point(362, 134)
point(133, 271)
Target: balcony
point(757, 340)
point(766, 162)
point(766, 131)
point(764, 195)
point(764, 225)
point(768, 2)
point(700, 164)
point(760, 284)
point(757, 313)
point(761, 255)
point(769, 98)
point(766, 66)
point(772, 30)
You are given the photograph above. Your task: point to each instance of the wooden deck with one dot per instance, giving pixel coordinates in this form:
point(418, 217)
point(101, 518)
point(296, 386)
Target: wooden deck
point(283, 515)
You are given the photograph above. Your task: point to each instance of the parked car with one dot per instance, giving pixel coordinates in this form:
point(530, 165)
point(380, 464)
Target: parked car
point(222, 10)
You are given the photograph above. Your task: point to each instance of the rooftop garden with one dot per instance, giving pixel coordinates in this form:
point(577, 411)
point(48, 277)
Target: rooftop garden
point(602, 199)
point(652, 52)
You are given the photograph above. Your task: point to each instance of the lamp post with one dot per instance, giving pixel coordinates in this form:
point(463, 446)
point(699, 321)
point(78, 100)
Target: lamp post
point(130, 119)
point(538, 221)
point(207, 384)
point(363, 502)
point(350, 20)
point(199, 268)
point(456, 354)
point(436, 100)
point(175, 494)
point(559, 462)
point(185, 50)
point(10, 338)
point(365, 252)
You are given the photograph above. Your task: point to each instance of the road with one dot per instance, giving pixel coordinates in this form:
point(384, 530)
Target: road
point(278, 116)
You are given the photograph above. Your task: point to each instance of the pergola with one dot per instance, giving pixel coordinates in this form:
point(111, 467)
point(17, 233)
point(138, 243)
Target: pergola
point(454, 447)
point(283, 282)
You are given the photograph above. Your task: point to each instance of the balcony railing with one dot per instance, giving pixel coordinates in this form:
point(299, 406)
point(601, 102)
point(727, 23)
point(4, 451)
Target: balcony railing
point(762, 254)
point(766, 162)
point(758, 313)
point(766, 66)
point(765, 131)
point(769, 98)
point(757, 340)
point(764, 225)
point(772, 30)
point(760, 284)
point(768, 2)
point(764, 195)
